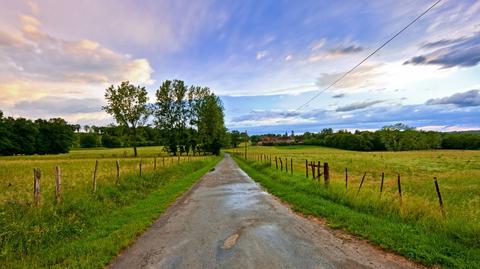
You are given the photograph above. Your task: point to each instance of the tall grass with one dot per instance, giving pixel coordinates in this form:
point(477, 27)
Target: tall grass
point(88, 229)
point(456, 236)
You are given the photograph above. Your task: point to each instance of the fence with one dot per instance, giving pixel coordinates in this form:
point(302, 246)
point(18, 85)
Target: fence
point(316, 170)
point(165, 162)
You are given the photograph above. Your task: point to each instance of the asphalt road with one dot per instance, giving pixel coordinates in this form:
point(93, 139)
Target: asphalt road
point(227, 221)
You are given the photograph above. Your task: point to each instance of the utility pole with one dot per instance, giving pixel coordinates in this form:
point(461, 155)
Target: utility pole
point(246, 144)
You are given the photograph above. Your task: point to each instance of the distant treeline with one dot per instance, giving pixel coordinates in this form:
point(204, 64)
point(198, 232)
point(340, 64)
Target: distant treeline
point(184, 119)
point(398, 137)
point(23, 136)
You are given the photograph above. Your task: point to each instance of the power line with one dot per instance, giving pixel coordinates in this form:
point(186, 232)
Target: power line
point(370, 55)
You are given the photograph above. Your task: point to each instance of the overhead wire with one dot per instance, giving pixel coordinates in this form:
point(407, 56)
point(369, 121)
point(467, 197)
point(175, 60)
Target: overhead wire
point(366, 58)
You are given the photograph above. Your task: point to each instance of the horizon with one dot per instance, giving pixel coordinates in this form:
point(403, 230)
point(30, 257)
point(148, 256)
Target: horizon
point(263, 60)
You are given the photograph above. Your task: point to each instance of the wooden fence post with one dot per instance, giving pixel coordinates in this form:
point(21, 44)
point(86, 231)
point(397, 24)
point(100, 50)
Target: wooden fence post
point(326, 174)
point(381, 184)
point(154, 163)
point(270, 158)
point(399, 189)
point(58, 184)
point(346, 178)
point(439, 197)
point(312, 164)
point(291, 166)
point(95, 177)
point(37, 174)
point(286, 165)
point(319, 174)
point(361, 183)
point(306, 168)
point(117, 182)
point(140, 167)
point(276, 162)
point(281, 164)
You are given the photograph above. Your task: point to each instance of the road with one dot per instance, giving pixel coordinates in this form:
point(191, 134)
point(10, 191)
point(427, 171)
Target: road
point(227, 221)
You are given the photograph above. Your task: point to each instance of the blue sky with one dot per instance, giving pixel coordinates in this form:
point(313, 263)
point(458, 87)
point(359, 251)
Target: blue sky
point(264, 58)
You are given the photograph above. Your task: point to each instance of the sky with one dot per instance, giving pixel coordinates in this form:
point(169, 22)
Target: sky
point(264, 59)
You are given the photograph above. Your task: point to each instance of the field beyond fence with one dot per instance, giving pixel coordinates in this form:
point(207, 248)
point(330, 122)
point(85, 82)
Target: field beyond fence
point(438, 190)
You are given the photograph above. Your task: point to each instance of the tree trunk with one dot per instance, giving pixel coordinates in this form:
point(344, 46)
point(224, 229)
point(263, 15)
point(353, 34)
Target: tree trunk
point(134, 129)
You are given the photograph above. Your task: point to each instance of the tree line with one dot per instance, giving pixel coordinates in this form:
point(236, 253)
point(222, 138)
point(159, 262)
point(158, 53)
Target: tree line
point(184, 119)
point(24, 136)
point(398, 137)
point(189, 119)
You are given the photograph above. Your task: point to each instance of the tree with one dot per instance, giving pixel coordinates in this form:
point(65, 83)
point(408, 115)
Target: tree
point(235, 138)
point(211, 126)
point(128, 105)
point(88, 140)
point(54, 136)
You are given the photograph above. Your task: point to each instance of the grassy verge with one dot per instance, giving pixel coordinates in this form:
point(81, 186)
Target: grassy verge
point(88, 230)
point(417, 240)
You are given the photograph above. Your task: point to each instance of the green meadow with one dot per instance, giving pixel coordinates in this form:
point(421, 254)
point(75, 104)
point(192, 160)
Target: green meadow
point(414, 226)
point(86, 229)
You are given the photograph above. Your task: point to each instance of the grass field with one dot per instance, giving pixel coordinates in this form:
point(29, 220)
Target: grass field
point(427, 237)
point(87, 229)
point(16, 172)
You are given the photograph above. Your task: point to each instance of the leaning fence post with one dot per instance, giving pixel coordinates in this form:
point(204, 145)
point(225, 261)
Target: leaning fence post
point(326, 174)
point(118, 173)
point(399, 189)
point(281, 164)
point(306, 168)
point(58, 184)
point(361, 183)
point(346, 178)
point(36, 185)
point(95, 176)
point(381, 184)
point(439, 197)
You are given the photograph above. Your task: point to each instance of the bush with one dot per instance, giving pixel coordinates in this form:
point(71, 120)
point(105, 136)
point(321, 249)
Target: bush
point(88, 140)
point(109, 141)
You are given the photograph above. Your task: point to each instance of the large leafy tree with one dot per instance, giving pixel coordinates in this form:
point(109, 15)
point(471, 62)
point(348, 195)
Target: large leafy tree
point(128, 105)
point(211, 126)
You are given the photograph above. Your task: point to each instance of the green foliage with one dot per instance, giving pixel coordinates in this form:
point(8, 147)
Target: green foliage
point(461, 140)
point(88, 140)
point(189, 119)
point(235, 138)
point(128, 105)
point(109, 141)
point(22, 136)
point(398, 137)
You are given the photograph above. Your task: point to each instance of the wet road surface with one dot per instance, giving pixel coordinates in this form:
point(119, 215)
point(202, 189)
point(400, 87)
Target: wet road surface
point(227, 221)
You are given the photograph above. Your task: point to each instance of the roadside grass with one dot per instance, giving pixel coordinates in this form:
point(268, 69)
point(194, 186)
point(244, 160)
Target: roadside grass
point(87, 230)
point(415, 229)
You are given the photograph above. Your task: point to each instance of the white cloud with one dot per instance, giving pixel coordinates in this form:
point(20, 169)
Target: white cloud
point(289, 57)
point(261, 54)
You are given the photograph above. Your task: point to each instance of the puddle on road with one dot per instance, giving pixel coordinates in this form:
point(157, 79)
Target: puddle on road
point(241, 196)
